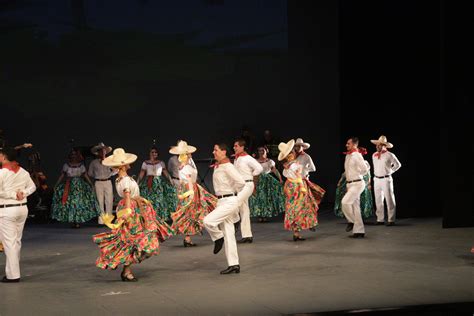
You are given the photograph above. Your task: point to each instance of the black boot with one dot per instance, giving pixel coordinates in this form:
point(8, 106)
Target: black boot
point(5, 280)
point(358, 235)
point(218, 245)
point(231, 269)
point(246, 240)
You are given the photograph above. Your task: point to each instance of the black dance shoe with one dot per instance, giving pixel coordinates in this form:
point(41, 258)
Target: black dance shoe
point(349, 227)
point(298, 238)
point(218, 245)
point(358, 235)
point(5, 280)
point(390, 224)
point(231, 269)
point(246, 240)
point(313, 229)
point(125, 278)
point(188, 243)
point(379, 223)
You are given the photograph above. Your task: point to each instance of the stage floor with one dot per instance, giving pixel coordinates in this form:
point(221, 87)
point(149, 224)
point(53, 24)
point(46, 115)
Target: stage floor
point(414, 263)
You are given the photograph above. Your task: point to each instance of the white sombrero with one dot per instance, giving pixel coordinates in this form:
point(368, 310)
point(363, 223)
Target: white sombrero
point(285, 149)
point(99, 146)
point(383, 141)
point(182, 148)
point(119, 158)
point(299, 141)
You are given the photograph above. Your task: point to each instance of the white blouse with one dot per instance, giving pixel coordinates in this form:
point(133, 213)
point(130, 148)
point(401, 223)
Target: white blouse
point(267, 166)
point(155, 169)
point(186, 172)
point(74, 171)
point(293, 171)
point(127, 183)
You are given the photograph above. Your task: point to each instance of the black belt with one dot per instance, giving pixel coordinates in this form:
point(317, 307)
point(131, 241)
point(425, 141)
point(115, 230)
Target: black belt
point(387, 176)
point(248, 180)
point(175, 178)
point(102, 179)
point(11, 205)
point(226, 195)
point(354, 181)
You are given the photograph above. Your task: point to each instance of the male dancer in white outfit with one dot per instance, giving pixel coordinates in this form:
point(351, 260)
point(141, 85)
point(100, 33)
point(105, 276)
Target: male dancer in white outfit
point(249, 168)
point(219, 223)
point(303, 158)
point(385, 164)
point(15, 186)
point(355, 168)
point(103, 182)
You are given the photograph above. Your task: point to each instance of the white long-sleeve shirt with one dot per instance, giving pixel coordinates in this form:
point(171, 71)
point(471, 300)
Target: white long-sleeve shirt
point(98, 171)
point(248, 167)
point(11, 182)
point(386, 165)
point(226, 179)
point(306, 163)
point(355, 166)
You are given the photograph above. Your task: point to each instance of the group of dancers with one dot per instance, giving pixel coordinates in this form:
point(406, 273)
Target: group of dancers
point(165, 203)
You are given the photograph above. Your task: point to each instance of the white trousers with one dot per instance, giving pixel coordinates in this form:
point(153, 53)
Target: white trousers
point(219, 223)
point(383, 190)
point(244, 210)
point(351, 206)
point(105, 195)
point(12, 221)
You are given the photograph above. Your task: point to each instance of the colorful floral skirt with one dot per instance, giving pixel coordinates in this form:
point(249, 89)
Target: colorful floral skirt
point(161, 194)
point(189, 215)
point(269, 199)
point(137, 239)
point(301, 205)
point(366, 202)
point(74, 201)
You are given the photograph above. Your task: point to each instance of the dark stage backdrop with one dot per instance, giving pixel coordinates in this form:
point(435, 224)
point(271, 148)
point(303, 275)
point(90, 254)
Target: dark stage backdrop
point(390, 84)
point(128, 72)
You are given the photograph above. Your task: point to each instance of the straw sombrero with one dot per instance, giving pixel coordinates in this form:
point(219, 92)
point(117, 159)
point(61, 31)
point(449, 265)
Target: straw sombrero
point(285, 149)
point(98, 147)
point(299, 141)
point(182, 148)
point(382, 140)
point(119, 158)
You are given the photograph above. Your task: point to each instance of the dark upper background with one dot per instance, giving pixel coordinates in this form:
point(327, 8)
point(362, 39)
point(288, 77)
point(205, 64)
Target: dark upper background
point(127, 72)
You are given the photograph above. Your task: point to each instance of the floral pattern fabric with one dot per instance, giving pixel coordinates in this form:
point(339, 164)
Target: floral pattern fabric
point(77, 205)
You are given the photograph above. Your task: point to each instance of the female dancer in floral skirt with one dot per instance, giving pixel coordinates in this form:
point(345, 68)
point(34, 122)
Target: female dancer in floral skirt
point(194, 201)
point(268, 200)
point(74, 200)
point(136, 233)
point(301, 205)
point(156, 185)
